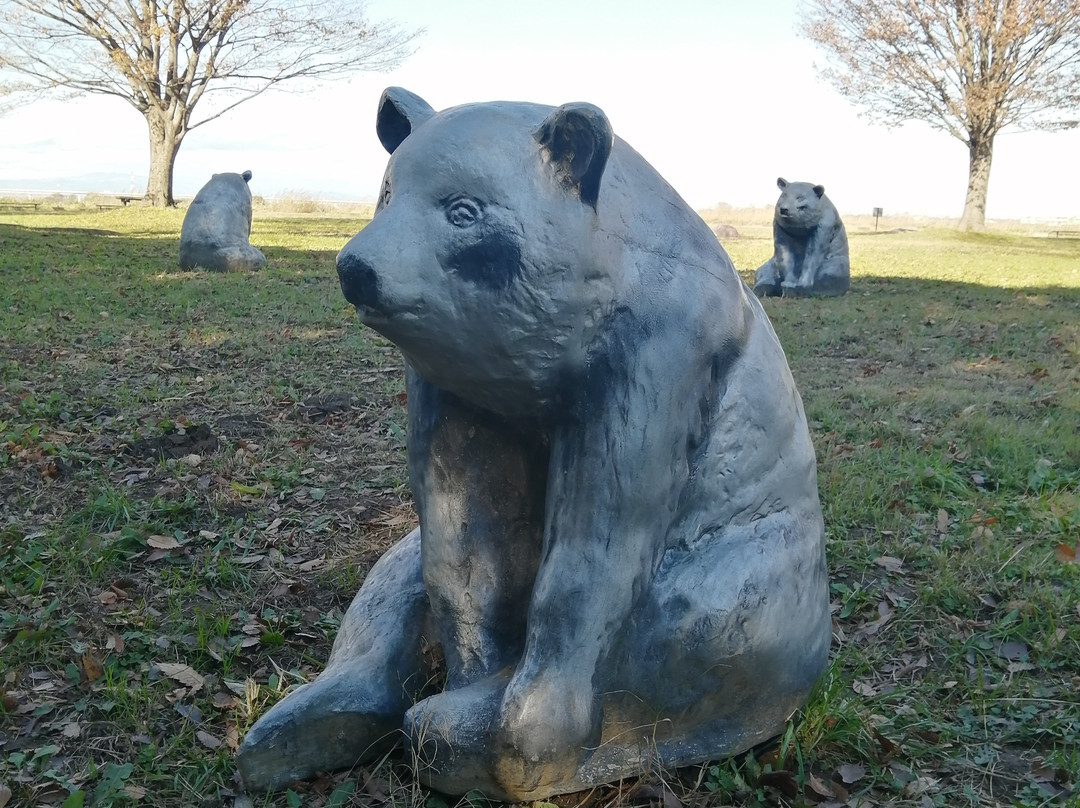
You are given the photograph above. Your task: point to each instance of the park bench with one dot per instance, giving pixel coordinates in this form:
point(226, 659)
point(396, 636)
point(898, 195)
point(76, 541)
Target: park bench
point(16, 205)
point(123, 199)
point(1065, 233)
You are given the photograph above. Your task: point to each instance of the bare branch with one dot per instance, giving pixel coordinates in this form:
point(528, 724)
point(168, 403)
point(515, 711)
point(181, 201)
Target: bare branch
point(968, 67)
point(164, 56)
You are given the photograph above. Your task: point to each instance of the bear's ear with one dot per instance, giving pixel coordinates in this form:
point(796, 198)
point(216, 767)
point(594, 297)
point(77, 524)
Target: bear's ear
point(400, 112)
point(247, 176)
point(819, 190)
point(781, 183)
point(578, 141)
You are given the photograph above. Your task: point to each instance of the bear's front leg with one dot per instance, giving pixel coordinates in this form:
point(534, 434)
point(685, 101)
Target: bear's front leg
point(614, 485)
point(479, 490)
point(767, 280)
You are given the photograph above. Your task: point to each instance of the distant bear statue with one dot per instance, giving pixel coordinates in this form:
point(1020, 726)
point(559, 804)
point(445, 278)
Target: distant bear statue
point(217, 227)
point(810, 257)
point(620, 558)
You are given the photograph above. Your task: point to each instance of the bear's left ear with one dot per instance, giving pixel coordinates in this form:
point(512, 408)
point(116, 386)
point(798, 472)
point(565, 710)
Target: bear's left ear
point(400, 112)
point(819, 190)
point(578, 140)
point(247, 176)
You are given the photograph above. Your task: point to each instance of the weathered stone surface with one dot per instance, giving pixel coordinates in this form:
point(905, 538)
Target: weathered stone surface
point(217, 227)
point(810, 257)
point(620, 553)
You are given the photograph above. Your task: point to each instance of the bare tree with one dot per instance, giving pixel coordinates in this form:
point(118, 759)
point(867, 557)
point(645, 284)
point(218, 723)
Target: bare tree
point(968, 67)
point(166, 56)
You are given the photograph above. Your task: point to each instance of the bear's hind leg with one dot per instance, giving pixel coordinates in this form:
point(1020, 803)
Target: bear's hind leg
point(376, 670)
point(728, 643)
point(767, 280)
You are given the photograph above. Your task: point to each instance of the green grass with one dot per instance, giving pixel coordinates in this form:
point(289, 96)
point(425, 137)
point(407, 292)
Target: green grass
point(198, 469)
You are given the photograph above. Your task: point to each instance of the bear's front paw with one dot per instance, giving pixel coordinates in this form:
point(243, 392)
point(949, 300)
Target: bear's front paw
point(546, 728)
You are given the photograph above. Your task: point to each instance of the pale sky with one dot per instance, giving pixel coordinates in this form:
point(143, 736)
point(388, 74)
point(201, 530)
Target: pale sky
point(721, 96)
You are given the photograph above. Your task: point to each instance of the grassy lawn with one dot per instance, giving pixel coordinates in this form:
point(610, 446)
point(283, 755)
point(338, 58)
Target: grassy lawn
point(197, 470)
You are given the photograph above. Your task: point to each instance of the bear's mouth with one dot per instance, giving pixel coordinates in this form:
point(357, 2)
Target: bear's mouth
point(383, 322)
point(367, 314)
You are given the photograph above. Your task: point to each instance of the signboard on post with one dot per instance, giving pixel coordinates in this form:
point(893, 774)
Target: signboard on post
point(877, 215)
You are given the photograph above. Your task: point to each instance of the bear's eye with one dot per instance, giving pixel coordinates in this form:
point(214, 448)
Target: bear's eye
point(463, 212)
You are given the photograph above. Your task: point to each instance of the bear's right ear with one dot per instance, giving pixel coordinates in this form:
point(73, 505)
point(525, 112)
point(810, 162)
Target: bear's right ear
point(578, 141)
point(781, 183)
point(247, 176)
point(400, 112)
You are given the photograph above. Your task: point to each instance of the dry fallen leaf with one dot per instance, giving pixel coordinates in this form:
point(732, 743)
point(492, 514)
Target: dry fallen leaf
point(115, 643)
point(224, 701)
point(864, 688)
point(942, 521)
point(184, 674)
point(889, 563)
point(851, 773)
point(1012, 650)
point(163, 542)
point(1066, 554)
point(207, 740)
point(819, 787)
point(888, 747)
point(72, 730)
point(91, 665)
point(5, 795)
point(783, 781)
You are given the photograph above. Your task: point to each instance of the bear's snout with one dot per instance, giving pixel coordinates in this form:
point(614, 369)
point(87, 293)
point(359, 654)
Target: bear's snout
point(359, 282)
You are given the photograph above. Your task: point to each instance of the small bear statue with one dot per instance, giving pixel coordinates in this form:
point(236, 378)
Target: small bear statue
point(217, 227)
point(810, 257)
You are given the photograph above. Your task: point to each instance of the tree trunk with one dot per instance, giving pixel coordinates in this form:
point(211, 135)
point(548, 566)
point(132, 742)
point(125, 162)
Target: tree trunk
point(165, 139)
point(981, 152)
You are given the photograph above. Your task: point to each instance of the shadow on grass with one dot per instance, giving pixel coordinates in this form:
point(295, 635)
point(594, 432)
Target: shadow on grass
point(37, 247)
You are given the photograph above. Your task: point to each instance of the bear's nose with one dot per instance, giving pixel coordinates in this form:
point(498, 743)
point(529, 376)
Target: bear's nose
point(359, 283)
point(784, 211)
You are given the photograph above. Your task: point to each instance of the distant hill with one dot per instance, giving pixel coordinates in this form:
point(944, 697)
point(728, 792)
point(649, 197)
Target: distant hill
point(98, 181)
point(104, 182)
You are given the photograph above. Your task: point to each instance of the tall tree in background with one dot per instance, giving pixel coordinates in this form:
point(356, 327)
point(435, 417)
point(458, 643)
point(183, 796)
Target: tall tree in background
point(165, 56)
point(969, 67)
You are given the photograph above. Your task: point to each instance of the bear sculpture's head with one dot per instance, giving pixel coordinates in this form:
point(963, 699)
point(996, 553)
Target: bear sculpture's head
point(798, 210)
point(477, 262)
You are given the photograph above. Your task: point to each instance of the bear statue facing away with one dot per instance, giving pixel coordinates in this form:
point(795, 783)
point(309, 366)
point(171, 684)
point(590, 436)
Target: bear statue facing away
point(217, 227)
point(810, 256)
point(620, 558)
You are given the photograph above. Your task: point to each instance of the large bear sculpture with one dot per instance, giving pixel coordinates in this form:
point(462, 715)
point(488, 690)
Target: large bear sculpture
point(810, 247)
point(620, 558)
